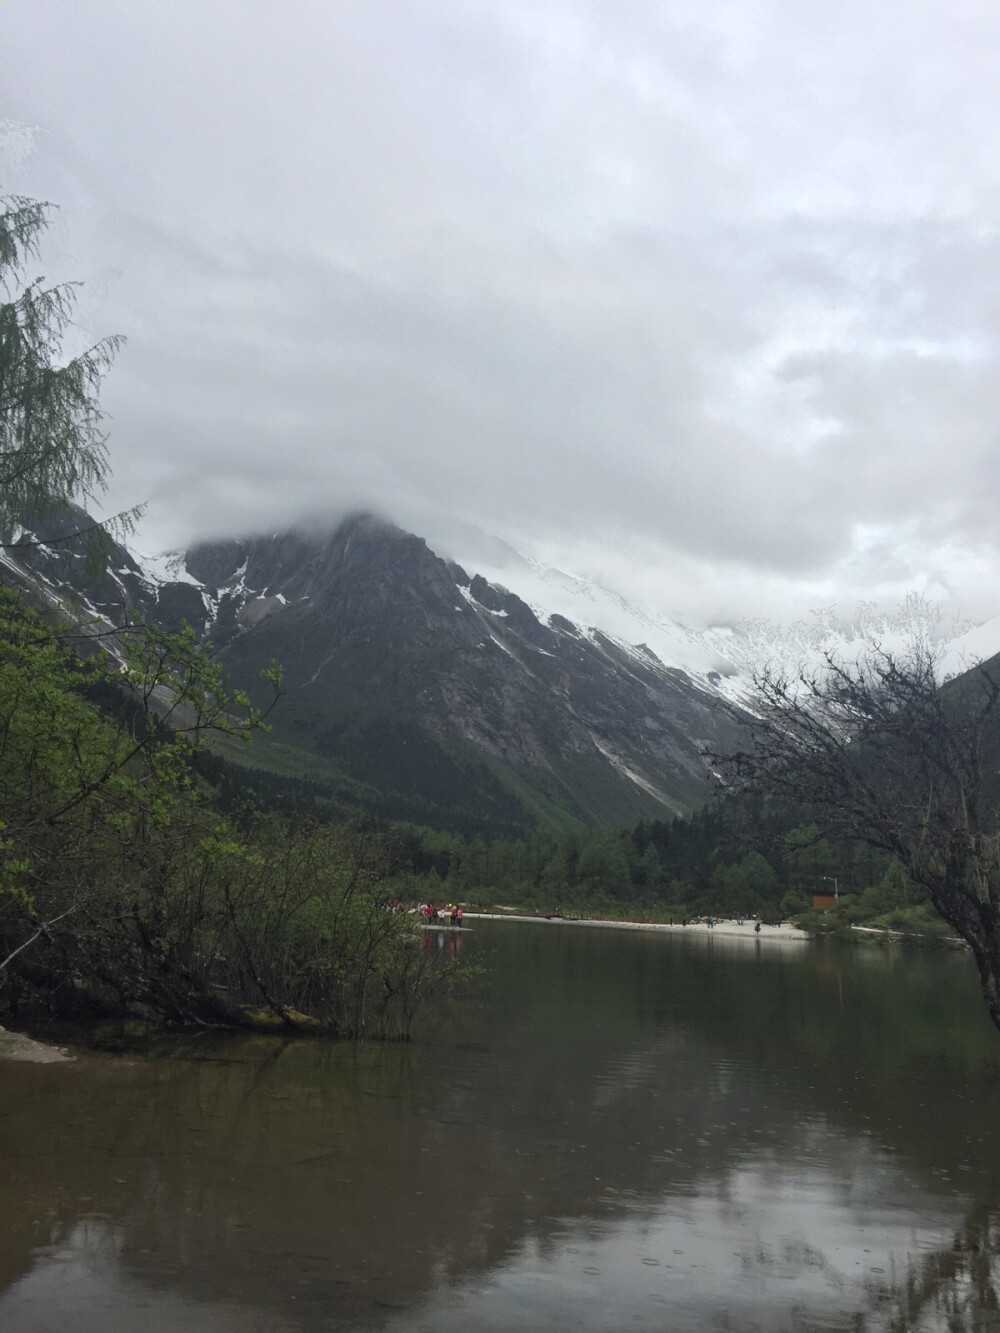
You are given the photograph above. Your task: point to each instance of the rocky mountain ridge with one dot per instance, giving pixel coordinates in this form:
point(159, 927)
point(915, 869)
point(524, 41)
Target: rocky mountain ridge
point(434, 694)
point(410, 677)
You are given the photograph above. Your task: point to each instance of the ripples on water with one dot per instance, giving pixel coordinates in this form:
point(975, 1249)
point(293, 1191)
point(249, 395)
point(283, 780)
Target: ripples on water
point(618, 1130)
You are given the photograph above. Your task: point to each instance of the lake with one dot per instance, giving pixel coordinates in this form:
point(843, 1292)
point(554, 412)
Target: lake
point(610, 1130)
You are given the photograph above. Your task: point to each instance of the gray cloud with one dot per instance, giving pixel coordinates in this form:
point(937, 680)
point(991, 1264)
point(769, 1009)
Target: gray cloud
point(701, 299)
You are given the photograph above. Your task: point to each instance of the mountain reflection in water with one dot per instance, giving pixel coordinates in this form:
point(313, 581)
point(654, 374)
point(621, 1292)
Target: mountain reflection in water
point(615, 1127)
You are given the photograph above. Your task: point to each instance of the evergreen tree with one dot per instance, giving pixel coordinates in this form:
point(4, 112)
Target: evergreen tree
point(52, 445)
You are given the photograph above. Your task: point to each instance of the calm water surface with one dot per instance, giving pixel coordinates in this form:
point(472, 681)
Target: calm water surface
point(616, 1130)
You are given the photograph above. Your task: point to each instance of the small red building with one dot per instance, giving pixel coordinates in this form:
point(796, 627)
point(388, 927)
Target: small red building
point(823, 902)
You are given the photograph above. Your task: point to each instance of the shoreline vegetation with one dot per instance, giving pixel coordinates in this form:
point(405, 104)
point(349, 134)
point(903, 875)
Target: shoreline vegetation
point(127, 897)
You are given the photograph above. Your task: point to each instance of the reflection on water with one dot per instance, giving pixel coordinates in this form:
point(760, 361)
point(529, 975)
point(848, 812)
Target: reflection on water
point(82, 1283)
point(620, 1128)
point(768, 1254)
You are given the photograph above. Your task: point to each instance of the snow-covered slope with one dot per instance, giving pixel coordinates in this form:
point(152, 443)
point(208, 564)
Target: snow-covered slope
point(722, 659)
point(167, 567)
point(806, 645)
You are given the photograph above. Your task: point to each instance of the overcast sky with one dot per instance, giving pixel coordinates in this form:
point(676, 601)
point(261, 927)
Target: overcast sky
point(698, 297)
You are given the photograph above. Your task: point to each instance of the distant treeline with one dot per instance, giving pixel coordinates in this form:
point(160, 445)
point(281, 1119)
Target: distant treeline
point(734, 857)
point(730, 859)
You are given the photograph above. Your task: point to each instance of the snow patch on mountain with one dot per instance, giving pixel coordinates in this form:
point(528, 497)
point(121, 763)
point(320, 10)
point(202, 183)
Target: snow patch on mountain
point(168, 567)
point(588, 606)
point(977, 644)
point(722, 659)
point(806, 646)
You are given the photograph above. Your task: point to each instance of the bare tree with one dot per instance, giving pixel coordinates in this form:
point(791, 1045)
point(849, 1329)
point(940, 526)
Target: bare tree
point(878, 751)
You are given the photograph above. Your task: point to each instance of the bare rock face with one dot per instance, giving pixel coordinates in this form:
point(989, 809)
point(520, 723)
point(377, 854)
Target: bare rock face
point(387, 647)
point(442, 693)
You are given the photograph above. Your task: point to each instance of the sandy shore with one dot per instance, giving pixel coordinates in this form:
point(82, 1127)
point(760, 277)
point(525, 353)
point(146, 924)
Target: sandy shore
point(732, 929)
point(16, 1046)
